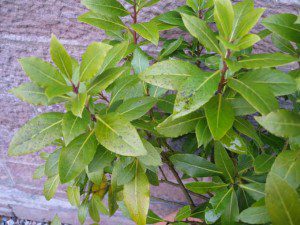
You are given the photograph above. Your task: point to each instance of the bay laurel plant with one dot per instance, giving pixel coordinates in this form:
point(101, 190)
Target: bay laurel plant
point(234, 112)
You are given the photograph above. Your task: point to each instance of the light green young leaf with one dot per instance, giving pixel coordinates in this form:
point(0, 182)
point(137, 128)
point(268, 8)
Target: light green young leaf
point(203, 134)
point(246, 41)
point(255, 215)
point(147, 30)
point(172, 47)
point(82, 212)
point(126, 174)
point(74, 157)
point(73, 193)
point(50, 187)
point(194, 165)
point(102, 22)
point(73, 126)
point(204, 187)
point(137, 196)
point(224, 16)
point(39, 172)
point(224, 162)
point(220, 116)
point(153, 155)
point(183, 213)
point(116, 134)
point(282, 201)
point(78, 104)
point(135, 108)
point(103, 80)
point(93, 209)
point(283, 25)
point(262, 100)
point(282, 123)
point(36, 134)
point(56, 220)
point(60, 57)
point(175, 127)
point(241, 106)
point(195, 92)
point(51, 166)
point(92, 60)
point(277, 81)
point(114, 56)
point(200, 30)
point(106, 7)
point(169, 74)
point(140, 60)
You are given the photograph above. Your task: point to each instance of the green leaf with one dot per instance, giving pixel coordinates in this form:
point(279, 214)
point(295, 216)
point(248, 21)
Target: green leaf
point(195, 92)
point(73, 193)
point(203, 134)
point(126, 174)
point(200, 30)
point(183, 213)
point(173, 127)
point(102, 22)
point(278, 82)
point(261, 99)
point(224, 16)
point(241, 106)
point(114, 56)
point(42, 73)
point(135, 108)
point(39, 172)
point(169, 74)
point(116, 134)
point(282, 123)
point(234, 142)
point(194, 166)
point(283, 25)
point(147, 30)
point(255, 190)
point(82, 212)
point(204, 187)
point(36, 134)
point(93, 209)
point(50, 187)
point(255, 215)
point(245, 127)
point(263, 163)
point(230, 214)
point(172, 47)
point(245, 18)
point(153, 155)
point(220, 116)
point(224, 162)
point(33, 94)
point(106, 7)
point(92, 60)
point(140, 60)
point(56, 220)
point(74, 157)
point(137, 196)
point(266, 60)
point(102, 159)
point(78, 104)
point(60, 57)
point(286, 166)
point(282, 201)
point(103, 80)
point(246, 41)
point(73, 126)
point(153, 218)
point(221, 200)
point(283, 44)
point(51, 165)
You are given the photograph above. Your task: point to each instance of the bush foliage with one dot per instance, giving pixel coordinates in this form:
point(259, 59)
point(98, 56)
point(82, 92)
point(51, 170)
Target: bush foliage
point(124, 109)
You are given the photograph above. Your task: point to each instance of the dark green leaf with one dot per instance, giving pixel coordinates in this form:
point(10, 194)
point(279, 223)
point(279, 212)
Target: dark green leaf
point(183, 213)
point(263, 163)
point(204, 187)
point(203, 133)
point(234, 142)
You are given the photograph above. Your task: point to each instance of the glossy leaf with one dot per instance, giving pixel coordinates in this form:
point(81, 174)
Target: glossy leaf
point(78, 104)
point(93, 59)
point(220, 116)
point(106, 7)
point(116, 134)
point(224, 16)
point(282, 123)
point(221, 200)
point(74, 157)
point(169, 74)
point(203, 134)
point(195, 92)
point(234, 142)
point(147, 30)
point(102, 158)
point(137, 196)
point(194, 166)
point(36, 134)
point(140, 61)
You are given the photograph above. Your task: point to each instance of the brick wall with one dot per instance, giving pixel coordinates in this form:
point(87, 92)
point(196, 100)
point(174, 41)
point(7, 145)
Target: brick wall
point(25, 30)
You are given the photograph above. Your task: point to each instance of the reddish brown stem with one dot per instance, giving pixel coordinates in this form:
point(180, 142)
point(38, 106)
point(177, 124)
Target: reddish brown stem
point(134, 18)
